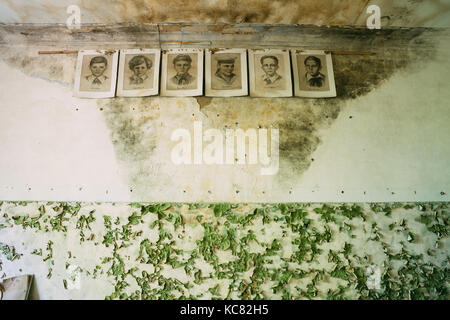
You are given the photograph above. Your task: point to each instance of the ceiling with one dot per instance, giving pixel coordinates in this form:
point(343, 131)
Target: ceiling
point(399, 13)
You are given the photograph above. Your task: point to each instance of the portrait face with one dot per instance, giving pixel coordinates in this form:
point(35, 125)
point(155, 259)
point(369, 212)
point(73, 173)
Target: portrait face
point(313, 74)
point(226, 72)
point(182, 67)
point(226, 68)
point(140, 69)
point(96, 74)
point(182, 72)
point(98, 69)
point(270, 66)
point(138, 72)
point(312, 67)
point(270, 74)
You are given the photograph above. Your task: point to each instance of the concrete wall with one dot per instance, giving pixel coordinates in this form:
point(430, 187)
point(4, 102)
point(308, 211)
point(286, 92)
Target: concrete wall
point(384, 138)
point(422, 13)
point(322, 250)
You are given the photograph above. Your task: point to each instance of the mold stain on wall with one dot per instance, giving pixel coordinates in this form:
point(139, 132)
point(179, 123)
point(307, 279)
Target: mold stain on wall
point(139, 126)
point(299, 120)
point(134, 134)
point(54, 68)
point(324, 12)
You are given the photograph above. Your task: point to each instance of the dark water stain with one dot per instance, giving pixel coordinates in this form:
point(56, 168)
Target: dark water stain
point(299, 120)
point(134, 133)
point(55, 68)
point(203, 102)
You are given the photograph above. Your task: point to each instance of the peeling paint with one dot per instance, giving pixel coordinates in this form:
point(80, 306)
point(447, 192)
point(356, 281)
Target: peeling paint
point(203, 102)
point(134, 132)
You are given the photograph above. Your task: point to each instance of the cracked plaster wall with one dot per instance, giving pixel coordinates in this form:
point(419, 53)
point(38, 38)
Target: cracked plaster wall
point(384, 138)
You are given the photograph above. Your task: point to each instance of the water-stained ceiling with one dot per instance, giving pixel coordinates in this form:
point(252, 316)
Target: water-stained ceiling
point(400, 13)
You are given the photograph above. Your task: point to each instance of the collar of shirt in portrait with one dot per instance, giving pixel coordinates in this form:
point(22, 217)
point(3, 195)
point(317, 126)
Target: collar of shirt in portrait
point(182, 79)
point(96, 80)
point(228, 79)
point(134, 79)
point(271, 79)
point(314, 80)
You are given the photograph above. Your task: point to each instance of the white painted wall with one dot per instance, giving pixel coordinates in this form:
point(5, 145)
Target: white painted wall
point(396, 148)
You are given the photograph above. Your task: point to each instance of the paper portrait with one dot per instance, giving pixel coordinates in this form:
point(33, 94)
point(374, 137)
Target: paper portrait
point(226, 72)
point(270, 73)
point(138, 72)
point(182, 72)
point(96, 74)
point(313, 74)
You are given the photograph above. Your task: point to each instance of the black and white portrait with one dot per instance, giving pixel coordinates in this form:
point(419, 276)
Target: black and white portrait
point(96, 74)
point(97, 79)
point(226, 72)
point(313, 77)
point(225, 77)
point(313, 74)
point(138, 72)
point(182, 72)
point(182, 64)
point(270, 65)
point(270, 74)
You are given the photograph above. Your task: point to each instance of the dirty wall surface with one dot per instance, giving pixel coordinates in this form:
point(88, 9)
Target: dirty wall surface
point(417, 13)
point(222, 251)
point(384, 138)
